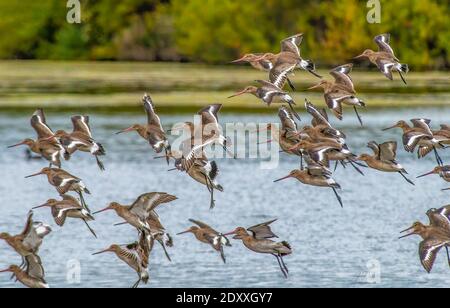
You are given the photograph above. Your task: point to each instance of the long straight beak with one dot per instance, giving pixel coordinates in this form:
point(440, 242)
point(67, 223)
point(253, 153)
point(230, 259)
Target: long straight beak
point(314, 87)
point(16, 145)
point(101, 211)
point(389, 128)
point(170, 170)
point(282, 179)
point(40, 206)
point(238, 60)
point(100, 252)
point(359, 57)
point(33, 175)
point(426, 174)
point(4, 271)
point(265, 142)
point(229, 233)
point(126, 130)
point(184, 232)
point(404, 231)
point(238, 94)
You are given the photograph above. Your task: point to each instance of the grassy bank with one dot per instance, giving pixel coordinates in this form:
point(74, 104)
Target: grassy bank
point(69, 85)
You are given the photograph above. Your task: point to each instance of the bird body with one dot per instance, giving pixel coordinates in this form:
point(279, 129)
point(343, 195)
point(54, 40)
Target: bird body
point(385, 58)
point(259, 241)
point(208, 235)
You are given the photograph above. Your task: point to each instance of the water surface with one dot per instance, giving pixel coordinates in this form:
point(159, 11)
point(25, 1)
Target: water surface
point(332, 246)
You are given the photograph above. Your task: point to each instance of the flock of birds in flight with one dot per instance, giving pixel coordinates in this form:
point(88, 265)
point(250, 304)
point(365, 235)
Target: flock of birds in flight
point(317, 146)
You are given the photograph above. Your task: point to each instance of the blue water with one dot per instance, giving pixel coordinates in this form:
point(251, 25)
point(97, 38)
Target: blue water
point(332, 246)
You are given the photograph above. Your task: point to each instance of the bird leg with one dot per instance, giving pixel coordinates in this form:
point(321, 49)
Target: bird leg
point(100, 164)
point(211, 191)
point(338, 197)
point(446, 189)
point(359, 117)
point(356, 168)
point(438, 158)
point(83, 202)
point(222, 254)
point(281, 266)
point(284, 264)
point(403, 78)
point(167, 156)
point(90, 229)
point(291, 85)
point(448, 255)
point(136, 284)
point(407, 180)
point(343, 164)
point(336, 166)
point(301, 161)
point(165, 250)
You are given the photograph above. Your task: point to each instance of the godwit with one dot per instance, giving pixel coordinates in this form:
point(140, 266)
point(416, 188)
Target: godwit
point(289, 56)
point(80, 139)
point(208, 235)
point(33, 276)
point(320, 122)
point(260, 64)
point(419, 136)
point(45, 145)
point(158, 233)
point(68, 207)
point(269, 93)
point(259, 241)
point(341, 91)
point(30, 240)
point(384, 159)
point(135, 255)
point(385, 58)
point(443, 135)
point(435, 236)
point(442, 171)
point(315, 175)
point(153, 132)
point(64, 182)
point(138, 213)
point(204, 172)
point(210, 133)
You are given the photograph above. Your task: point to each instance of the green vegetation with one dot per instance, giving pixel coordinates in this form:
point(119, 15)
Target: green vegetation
point(216, 31)
point(177, 87)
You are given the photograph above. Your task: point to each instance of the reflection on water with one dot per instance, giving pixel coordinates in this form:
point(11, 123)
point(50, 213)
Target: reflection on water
point(332, 246)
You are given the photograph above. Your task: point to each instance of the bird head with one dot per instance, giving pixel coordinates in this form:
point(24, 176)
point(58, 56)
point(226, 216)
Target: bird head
point(417, 228)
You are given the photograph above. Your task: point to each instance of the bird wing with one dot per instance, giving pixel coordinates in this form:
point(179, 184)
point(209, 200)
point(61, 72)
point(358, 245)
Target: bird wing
point(34, 267)
point(209, 114)
point(279, 74)
point(263, 231)
point(388, 151)
point(385, 66)
point(383, 41)
point(375, 147)
point(423, 124)
point(70, 198)
point(203, 225)
point(268, 91)
point(292, 44)
point(440, 218)
point(334, 102)
point(39, 124)
point(341, 76)
point(319, 117)
point(152, 117)
point(316, 169)
point(428, 251)
point(287, 119)
point(146, 203)
point(28, 225)
point(37, 232)
point(81, 125)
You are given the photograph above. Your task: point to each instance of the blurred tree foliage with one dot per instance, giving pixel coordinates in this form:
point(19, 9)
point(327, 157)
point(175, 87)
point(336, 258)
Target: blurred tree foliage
point(216, 31)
